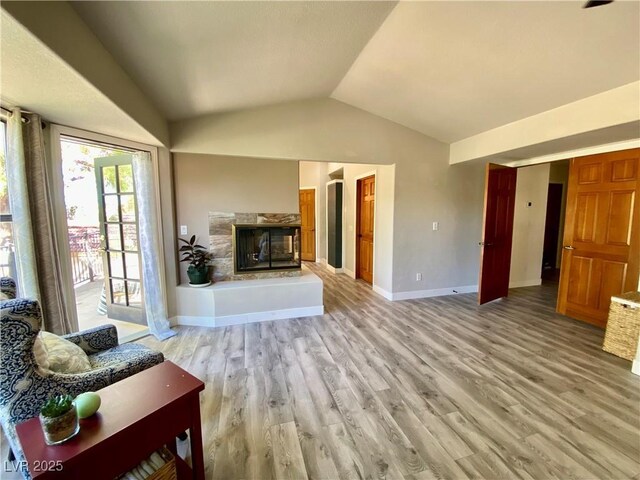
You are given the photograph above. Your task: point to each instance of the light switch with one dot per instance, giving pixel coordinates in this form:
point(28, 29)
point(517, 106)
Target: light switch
point(436, 226)
point(183, 230)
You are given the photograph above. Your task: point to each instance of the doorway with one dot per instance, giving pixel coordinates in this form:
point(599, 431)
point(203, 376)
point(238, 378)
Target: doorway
point(308, 224)
point(365, 214)
point(550, 266)
point(101, 211)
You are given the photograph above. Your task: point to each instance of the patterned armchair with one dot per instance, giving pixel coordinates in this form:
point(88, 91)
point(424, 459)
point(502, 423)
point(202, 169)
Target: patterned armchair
point(24, 385)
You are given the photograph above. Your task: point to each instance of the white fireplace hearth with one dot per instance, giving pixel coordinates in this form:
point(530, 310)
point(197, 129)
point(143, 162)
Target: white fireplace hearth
point(249, 301)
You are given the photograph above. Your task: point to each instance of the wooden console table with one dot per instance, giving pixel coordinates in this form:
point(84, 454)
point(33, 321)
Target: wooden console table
point(138, 415)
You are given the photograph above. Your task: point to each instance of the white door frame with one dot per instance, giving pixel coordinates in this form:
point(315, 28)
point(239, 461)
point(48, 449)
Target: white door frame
point(315, 215)
point(59, 206)
point(372, 173)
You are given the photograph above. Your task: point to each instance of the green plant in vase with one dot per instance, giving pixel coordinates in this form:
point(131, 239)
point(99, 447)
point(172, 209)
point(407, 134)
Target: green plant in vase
point(198, 258)
point(59, 419)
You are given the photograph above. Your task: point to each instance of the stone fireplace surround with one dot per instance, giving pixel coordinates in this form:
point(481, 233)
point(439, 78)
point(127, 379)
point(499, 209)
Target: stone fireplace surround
point(221, 242)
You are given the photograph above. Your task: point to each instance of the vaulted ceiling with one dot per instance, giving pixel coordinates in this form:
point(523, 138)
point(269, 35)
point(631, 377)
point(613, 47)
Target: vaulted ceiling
point(447, 69)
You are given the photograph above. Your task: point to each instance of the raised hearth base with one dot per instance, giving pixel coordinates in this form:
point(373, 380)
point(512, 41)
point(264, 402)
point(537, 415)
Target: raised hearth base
point(248, 301)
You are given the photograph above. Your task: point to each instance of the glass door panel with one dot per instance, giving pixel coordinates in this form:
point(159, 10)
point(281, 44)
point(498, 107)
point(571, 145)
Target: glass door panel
point(119, 235)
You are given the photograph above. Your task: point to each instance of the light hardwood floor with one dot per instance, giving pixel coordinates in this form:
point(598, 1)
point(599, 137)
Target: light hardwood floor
point(421, 389)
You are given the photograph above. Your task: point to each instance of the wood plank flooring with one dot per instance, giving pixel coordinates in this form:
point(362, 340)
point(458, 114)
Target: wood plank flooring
point(423, 389)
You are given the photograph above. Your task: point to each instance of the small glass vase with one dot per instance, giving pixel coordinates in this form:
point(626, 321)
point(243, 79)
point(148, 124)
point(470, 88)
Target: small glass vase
point(60, 429)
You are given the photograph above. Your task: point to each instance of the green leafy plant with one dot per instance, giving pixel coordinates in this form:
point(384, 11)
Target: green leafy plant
point(195, 254)
point(56, 406)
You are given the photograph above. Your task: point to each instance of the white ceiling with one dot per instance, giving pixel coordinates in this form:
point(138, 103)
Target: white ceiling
point(447, 69)
point(193, 58)
point(455, 69)
point(35, 79)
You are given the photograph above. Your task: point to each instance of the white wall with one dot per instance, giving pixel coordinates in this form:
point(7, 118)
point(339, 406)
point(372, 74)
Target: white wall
point(607, 112)
point(528, 225)
point(61, 29)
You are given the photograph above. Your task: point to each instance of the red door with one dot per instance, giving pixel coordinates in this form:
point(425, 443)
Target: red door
point(497, 232)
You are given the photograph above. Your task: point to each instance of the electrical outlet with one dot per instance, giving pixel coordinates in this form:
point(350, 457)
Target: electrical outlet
point(436, 225)
point(418, 277)
point(183, 230)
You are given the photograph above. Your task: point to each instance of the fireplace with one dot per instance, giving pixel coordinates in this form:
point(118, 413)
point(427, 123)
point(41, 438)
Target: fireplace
point(264, 248)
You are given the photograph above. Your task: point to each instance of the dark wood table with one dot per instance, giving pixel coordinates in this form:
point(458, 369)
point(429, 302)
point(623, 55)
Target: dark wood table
point(138, 415)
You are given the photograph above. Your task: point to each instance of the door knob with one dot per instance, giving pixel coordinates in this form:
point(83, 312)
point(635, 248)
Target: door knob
point(569, 247)
point(485, 244)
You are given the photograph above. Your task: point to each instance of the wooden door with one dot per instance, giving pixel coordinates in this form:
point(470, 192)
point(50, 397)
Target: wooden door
point(601, 236)
point(497, 232)
point(308, 227)
point(365, 209)
point(118, 213)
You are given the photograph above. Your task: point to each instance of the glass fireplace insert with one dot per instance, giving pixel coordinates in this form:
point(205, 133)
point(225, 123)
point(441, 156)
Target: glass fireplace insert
point(264, 248)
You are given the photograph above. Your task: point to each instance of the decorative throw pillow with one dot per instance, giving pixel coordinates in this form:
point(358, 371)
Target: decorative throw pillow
point(59, 355)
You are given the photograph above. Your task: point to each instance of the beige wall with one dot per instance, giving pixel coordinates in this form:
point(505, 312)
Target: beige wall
point(62, 30)
point(425, 187)
point(528, 225)
point(207, 183)
point(429, 190)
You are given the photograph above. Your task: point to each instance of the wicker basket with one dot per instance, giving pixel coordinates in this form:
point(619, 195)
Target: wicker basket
point(167, 471)
point(623, 326)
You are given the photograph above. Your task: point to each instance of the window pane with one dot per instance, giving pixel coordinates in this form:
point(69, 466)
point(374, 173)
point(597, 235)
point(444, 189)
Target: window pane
point(109, 179)
point(125, 175)
point(130, 237)
point(135, 294)
point(111, 208)
point(116, 268)
point(133, 267)
point(118, 292)
point(128, 205)
point(113, 237)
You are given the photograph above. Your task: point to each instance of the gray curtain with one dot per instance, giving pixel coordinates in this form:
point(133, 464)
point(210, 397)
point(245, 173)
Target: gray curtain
point(44, 258)
point(150, 251)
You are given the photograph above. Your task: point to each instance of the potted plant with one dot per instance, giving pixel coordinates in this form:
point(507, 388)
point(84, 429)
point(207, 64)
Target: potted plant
point(58, 419)
point(197, 256)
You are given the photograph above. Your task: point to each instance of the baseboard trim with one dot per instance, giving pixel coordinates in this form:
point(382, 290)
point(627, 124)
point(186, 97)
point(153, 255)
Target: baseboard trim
point(351, 273)
point(436, 292)
point(227, 320)
point(333, 269)
point(526, 283)
point(635, 366)
point(383, 292)
point(322, 261)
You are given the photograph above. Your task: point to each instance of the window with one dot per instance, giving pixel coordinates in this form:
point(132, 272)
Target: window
point(7, 257)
